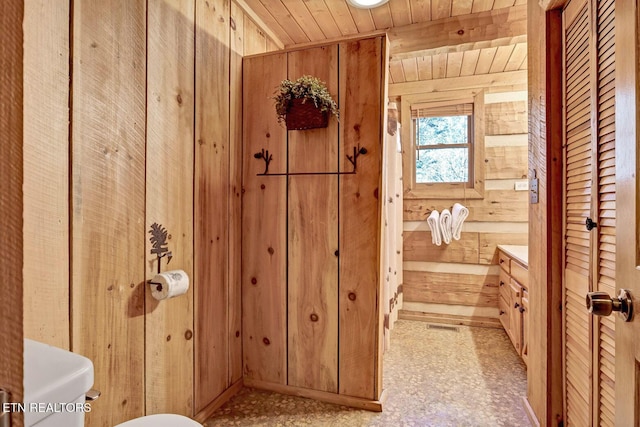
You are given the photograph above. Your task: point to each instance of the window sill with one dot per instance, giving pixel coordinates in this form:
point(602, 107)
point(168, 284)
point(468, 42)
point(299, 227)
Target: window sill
point(444, 191)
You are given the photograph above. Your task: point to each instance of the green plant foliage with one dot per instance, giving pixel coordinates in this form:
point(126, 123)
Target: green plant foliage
point(307, 88)
point(443, 130)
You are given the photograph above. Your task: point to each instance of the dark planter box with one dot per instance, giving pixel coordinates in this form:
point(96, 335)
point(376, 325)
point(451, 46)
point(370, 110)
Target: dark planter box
point(305, 116)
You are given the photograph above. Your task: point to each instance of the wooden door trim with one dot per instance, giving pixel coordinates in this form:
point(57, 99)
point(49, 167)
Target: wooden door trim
point(11, 256)
point(544, 374)
point(627, 138)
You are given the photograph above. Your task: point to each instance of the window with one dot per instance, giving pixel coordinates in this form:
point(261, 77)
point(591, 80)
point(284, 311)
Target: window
point(443, 142)
point(443, 145)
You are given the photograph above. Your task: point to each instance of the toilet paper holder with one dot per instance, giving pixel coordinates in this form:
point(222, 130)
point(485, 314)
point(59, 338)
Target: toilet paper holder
point(157, 285)
point(169, 284)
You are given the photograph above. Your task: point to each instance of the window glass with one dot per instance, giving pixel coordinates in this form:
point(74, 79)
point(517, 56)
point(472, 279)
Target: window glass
point(443, 148)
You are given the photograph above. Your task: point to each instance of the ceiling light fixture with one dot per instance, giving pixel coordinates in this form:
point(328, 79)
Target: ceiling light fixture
point(366, 4)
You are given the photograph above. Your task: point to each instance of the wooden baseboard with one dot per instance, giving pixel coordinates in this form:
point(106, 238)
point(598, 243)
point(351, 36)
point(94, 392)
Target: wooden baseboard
point(529, 411)
point(226, 395)
point(451, 319)
point(323, 396)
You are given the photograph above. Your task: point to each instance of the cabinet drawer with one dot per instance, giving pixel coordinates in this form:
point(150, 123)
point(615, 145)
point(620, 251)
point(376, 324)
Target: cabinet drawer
point(520, 273)
point(525, 326)
point(515, 315)
point(503, 306)
point(504, 261)
point(503, 284)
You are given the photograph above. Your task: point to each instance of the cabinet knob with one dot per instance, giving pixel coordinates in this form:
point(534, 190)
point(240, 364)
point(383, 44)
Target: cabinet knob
point(501, 283)
point(521, 309)
point(590, 224)
point(516, 305)
point(501, 312)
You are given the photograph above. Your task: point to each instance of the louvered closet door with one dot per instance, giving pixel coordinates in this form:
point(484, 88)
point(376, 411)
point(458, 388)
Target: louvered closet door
point(578, 182)
point(589, 160)
point(605, 266)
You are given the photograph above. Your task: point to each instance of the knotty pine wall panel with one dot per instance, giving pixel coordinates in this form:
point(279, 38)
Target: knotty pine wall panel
point(418, 247)
point(311, 314)
point(46, 172)
point(235, 193)
point(254, 40)
point(500, 216)
point(496, 206)
point(108, 202)
point(489, 241)
point(362, 91)
point(264, 228)
point(504, 162)
point(452, 288)
point(313, 237)
point(211, 199)
point(169, 172)
point(313, 282)
point(506, 118)
point(128, 162)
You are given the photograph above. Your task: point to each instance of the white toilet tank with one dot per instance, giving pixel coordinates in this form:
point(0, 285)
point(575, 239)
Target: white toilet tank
point(55, 384)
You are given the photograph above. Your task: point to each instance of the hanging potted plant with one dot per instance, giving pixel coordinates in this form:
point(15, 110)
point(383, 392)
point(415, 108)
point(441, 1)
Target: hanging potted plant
point(304, 103)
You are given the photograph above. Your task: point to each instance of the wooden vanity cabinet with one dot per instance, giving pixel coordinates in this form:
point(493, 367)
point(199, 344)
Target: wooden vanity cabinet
point(515, 318)
point(525, 326)
point(514, 301)
point(504, 300)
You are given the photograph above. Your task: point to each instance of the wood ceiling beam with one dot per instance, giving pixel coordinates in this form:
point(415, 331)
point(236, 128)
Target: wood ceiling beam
point(464, 29)
point(505, 41)
point(467, 82)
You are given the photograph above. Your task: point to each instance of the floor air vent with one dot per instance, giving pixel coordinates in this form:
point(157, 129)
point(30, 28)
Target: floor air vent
point(444, 327)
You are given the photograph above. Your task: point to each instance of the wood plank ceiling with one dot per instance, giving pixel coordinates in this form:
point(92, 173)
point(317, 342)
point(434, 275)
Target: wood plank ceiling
point(430, 39)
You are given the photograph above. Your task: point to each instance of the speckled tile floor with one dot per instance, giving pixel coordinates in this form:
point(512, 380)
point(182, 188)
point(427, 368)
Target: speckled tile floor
point(433, 377)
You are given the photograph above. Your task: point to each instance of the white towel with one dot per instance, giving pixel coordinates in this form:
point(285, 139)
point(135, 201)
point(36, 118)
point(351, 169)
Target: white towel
point(434, 225)
point(459, 214)
point(445, 225)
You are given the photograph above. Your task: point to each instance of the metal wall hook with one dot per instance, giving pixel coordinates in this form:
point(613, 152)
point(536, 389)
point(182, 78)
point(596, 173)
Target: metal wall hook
point(356, 153)
point(264, 155)
point(267, 159)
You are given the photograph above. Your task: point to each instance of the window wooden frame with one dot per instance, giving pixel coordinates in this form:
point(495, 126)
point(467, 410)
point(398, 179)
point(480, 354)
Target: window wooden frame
point(471, 190)
point(467, 145)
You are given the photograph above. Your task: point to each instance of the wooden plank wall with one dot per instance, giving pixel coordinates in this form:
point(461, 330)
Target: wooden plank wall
point(235, 192)
point(264, 226)
point(11, 199)
point(156, 92)
point(211, 199)
point(361, 96)
point(46, 171)
point(169, 171)
point(313, 235)
point(392, 226)
point(544, 368)
point(108, 202)
point(310, 276)
point(458, 283)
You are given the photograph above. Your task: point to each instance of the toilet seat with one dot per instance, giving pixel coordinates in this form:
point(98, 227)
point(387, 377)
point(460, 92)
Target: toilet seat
point(161, 420)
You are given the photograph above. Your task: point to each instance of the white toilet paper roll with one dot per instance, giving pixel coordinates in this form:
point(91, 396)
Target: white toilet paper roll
point(169, 284)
